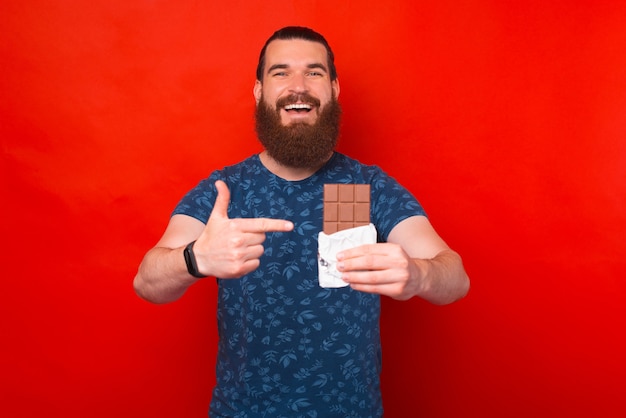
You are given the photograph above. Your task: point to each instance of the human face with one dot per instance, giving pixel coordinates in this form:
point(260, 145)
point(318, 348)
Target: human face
point(296, 80)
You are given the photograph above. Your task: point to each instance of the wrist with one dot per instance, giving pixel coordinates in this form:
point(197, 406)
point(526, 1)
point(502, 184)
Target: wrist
point(421, 276)
point(190, 261)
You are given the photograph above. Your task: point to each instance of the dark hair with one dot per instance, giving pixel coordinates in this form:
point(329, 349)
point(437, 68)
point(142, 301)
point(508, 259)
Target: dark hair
point(297, 32)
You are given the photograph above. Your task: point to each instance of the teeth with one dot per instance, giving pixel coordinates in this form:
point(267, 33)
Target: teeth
point(296, 106)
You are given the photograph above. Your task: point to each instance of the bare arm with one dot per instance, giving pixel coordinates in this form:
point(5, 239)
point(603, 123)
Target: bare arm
point(225, 248)
point(414, 262)
point(162, 276)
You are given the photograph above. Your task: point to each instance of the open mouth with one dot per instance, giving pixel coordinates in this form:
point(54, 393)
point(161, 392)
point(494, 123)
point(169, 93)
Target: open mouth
point(298, 108)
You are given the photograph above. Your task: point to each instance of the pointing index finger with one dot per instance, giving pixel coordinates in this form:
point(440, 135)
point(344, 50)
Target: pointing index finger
point(266, 225)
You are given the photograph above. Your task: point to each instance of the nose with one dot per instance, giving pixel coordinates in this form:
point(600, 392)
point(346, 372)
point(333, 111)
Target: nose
point(298, 83)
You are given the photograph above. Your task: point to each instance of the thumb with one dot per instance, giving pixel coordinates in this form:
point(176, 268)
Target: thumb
point(220, 208)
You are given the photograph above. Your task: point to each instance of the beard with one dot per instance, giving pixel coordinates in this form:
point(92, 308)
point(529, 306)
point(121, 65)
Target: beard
point(298, 145)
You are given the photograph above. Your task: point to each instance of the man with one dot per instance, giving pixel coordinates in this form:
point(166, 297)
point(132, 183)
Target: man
point(287, 347)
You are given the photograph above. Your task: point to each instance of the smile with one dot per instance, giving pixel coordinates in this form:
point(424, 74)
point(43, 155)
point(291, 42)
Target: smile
point(298, 107)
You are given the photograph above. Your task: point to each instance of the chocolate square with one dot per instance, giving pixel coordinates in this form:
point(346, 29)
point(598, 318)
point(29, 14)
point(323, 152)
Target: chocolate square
point(346, 206)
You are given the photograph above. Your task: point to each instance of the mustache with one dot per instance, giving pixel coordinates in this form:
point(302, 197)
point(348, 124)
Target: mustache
point(298, 98)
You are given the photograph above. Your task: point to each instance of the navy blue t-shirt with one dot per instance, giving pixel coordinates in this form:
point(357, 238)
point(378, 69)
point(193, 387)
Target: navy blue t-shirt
point(287, 347)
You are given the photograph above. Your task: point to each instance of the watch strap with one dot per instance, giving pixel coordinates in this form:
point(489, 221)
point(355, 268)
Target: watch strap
point(190, 260)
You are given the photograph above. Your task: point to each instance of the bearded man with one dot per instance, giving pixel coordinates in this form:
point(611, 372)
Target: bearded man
point(288, 347)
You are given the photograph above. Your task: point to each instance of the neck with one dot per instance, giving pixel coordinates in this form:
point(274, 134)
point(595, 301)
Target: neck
point(285, 172)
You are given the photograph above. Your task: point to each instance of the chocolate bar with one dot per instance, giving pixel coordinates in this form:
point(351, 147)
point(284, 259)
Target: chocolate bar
point(346, 206)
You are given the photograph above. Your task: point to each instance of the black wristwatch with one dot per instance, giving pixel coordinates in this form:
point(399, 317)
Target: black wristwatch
point(190, 260)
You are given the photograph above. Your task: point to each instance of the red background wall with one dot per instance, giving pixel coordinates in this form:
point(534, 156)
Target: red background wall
point(506, 119)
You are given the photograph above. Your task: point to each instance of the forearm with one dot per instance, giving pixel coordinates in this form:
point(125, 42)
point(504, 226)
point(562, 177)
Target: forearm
point(442, 279)
point(162, 276)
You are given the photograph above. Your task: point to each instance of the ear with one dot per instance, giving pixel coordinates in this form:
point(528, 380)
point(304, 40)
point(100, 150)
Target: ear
point(258, 91)
point(335, 87)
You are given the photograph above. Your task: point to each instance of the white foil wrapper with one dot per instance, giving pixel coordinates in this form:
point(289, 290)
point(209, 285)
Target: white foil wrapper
point(330, 245)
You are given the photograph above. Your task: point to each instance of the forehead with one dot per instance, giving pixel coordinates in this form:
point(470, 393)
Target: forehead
point(295, 51)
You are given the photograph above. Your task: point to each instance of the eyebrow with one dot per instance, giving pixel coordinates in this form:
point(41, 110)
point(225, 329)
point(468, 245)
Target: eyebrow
point(285, 66)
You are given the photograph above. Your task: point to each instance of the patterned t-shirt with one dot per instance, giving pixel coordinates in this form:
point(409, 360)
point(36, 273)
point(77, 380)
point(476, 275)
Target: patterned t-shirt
point(287, 347)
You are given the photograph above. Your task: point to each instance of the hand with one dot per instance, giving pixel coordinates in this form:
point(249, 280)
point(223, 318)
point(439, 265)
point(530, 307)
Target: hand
point(382, 268)
point(230, 248)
